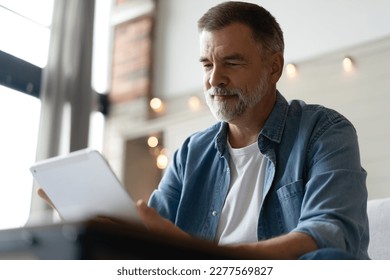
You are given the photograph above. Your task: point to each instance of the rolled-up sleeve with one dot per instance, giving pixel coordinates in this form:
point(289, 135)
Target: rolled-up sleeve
point(334, 204)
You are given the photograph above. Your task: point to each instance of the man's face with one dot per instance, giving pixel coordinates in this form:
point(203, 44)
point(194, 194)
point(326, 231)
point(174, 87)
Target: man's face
point(235, 78)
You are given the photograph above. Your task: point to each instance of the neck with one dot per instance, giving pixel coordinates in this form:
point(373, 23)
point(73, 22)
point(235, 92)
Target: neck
point(241, 136)
point(245, 130)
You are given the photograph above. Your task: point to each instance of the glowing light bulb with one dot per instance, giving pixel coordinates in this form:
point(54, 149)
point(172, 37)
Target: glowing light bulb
point(194, 103)
point(152, 141)
point(348, 64)
point(162, 161)
point(291, 70)
point(156, 104)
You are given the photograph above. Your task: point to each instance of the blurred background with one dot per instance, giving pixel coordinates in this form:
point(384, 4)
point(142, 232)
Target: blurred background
point(123, 77)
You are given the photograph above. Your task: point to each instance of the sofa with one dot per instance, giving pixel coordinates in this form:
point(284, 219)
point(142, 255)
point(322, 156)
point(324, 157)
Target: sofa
point(379, 220)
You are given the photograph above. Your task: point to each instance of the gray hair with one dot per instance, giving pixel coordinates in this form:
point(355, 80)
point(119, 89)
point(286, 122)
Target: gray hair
point(265, 28)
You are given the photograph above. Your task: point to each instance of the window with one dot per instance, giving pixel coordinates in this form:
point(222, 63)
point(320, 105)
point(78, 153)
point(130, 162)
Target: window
point(25, 34)
point(24, 47)
point(19, 120)
point(25, 29)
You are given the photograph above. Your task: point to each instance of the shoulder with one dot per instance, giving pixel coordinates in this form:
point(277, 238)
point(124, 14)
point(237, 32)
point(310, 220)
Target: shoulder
point(316, 125)
point(315, 114)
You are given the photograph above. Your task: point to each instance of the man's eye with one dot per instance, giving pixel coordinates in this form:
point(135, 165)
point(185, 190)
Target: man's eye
point(232, 64)
point(207, 65)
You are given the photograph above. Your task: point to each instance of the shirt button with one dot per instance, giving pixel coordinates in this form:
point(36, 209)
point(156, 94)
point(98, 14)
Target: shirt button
point(214, 213)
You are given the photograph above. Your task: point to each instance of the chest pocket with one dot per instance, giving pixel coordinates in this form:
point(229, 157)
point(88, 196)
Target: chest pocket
point(290, 197)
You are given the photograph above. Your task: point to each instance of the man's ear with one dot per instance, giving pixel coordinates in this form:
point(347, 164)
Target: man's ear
point(277, 63)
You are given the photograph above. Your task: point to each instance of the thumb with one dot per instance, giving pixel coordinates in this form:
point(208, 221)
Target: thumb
point(147, 214)
point(42, 194)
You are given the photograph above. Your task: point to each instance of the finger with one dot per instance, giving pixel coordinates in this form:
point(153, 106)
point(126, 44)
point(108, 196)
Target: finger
point(148, 215)
point(152, 220)
point(42, 194)
point(108, 220)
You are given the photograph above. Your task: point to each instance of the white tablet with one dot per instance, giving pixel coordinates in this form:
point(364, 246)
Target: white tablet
point(82, 185)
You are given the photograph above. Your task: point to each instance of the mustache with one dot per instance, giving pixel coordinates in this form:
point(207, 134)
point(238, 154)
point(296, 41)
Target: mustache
point(215, 91)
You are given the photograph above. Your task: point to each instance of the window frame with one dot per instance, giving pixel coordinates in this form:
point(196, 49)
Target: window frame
point(10, 74)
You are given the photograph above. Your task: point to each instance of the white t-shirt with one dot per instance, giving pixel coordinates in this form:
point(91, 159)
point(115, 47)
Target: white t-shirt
point(240, 213)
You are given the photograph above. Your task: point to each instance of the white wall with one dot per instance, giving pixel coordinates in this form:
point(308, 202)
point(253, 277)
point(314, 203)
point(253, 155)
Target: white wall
point(363, 96)
point(311, 28)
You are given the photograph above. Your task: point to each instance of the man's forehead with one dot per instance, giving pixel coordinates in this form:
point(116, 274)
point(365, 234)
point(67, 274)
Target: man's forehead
point(227, 33)
point(225, 42)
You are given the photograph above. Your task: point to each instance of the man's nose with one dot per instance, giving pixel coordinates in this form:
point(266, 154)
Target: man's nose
point(218, 78)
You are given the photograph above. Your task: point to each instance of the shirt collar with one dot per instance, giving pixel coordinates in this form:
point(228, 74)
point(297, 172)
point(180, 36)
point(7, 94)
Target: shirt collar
point(274, 126)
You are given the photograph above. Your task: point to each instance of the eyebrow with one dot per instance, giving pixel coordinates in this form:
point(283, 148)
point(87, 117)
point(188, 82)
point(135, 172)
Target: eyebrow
point(235, 56)
point(203, 59)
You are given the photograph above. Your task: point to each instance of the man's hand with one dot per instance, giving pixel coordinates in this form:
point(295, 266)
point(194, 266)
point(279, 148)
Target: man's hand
point(154, 222)
point(42, 194)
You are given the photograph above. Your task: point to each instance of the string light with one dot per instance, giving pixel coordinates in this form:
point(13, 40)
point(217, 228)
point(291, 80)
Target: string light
point(152, 141)
point(194, 103)
point(162, 159)
point(156, 104)
point(291, 70)
point(348, 64)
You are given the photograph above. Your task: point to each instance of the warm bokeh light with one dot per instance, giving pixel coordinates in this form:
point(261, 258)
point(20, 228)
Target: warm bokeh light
point(348, 64)
point(162, 161)
point(152, 141)
point(156, 104)
point(291, 70)
point(194, 103)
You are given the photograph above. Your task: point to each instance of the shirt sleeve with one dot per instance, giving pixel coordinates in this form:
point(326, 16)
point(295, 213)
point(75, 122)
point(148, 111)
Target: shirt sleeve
point(334, 205)
point(165, 199)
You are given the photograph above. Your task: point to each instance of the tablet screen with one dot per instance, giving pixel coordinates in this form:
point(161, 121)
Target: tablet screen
point(82, 185)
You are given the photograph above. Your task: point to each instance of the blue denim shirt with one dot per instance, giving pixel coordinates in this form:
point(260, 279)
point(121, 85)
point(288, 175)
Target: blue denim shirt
point(314, 182)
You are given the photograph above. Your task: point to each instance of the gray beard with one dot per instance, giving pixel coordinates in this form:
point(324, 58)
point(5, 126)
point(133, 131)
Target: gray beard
point(228, 110)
